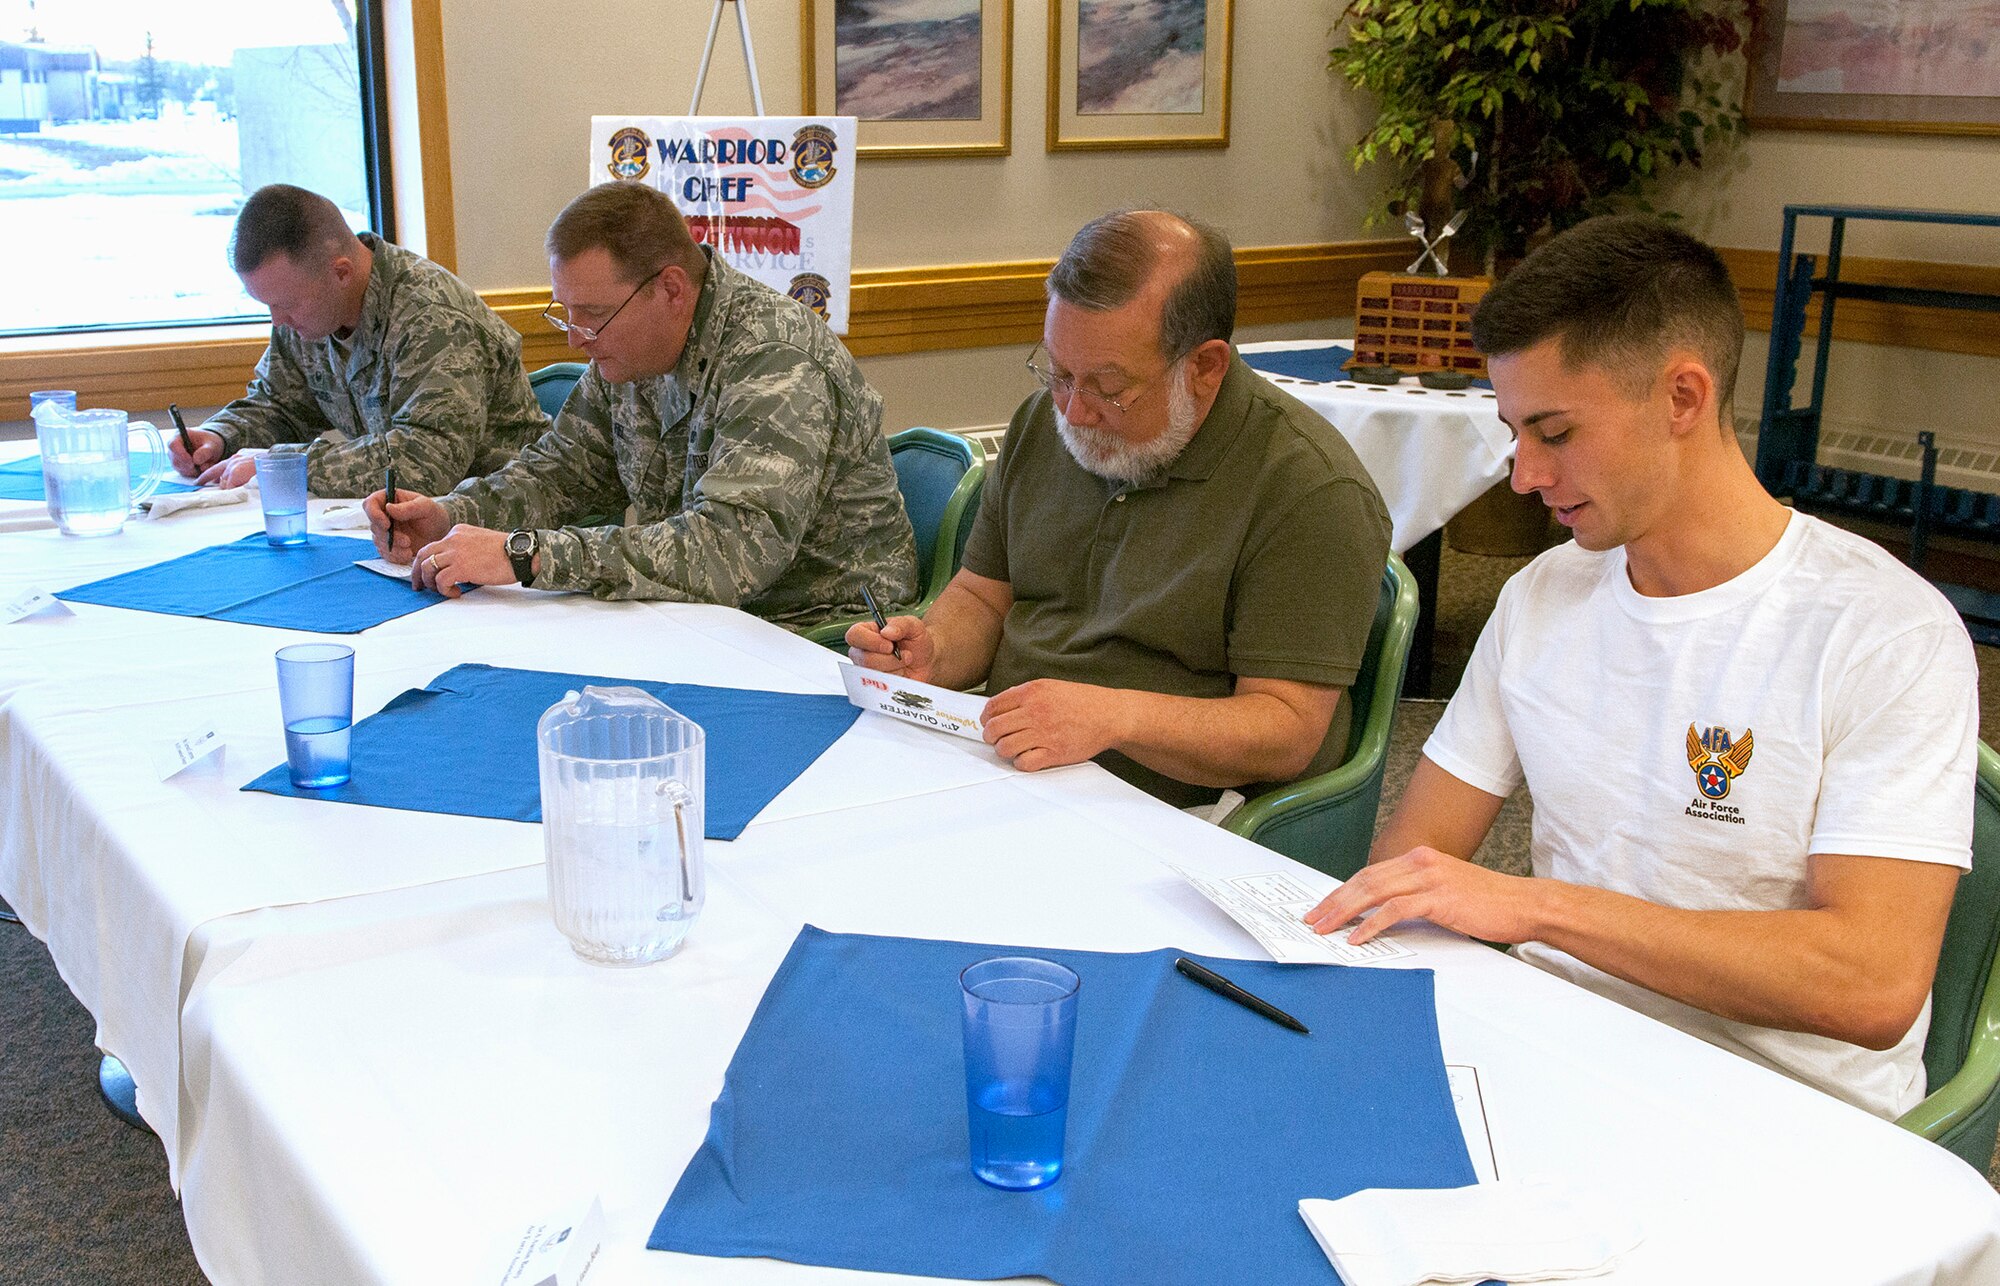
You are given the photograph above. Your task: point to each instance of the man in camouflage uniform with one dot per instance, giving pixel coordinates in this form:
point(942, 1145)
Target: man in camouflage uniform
point(376, 353)
point(726, 416)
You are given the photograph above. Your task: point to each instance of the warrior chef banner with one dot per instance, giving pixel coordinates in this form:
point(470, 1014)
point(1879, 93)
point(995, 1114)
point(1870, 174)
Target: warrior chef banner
point(774, 195)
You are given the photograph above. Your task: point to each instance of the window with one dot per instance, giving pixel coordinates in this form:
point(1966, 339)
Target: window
point(131, 132)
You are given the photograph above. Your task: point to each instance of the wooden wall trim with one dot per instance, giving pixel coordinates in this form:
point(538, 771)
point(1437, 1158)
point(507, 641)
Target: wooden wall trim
point(973, 305)
point(1862, 321)
point(434, 132)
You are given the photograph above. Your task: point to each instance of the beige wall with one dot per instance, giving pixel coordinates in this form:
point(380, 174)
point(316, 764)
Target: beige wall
point(1870, 388)
point(522, 93)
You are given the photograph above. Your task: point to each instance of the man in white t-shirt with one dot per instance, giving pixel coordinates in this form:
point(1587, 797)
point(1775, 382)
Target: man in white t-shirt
point(1748, 734)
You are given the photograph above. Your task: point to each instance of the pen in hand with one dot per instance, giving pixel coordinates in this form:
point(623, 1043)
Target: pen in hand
point(1228, 990)
point(180, 426)
point(881, 621)
point(389, 498)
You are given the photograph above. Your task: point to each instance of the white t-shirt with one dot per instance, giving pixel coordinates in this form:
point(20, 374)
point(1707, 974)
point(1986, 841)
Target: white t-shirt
point(1693, 751)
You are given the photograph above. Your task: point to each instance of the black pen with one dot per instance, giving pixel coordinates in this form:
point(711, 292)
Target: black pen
point(389, 498)
point(1228, 990)
point(881, 621)
point(187, 443)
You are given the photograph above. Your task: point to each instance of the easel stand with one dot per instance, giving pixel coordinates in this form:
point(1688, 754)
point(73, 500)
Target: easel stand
point(708, 55)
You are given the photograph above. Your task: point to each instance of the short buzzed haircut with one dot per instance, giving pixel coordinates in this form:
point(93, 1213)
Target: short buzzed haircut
point(279, 219)
point(1115, 255)
point(1620, 292)
point(636, 225)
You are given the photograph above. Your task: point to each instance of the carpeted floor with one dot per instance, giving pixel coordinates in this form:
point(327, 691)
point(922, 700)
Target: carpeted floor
point(84, 1199)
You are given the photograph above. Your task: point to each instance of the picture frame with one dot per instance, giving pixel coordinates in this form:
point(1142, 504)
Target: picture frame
point(1121, 75)
point(857, 60)
point(1844, 65)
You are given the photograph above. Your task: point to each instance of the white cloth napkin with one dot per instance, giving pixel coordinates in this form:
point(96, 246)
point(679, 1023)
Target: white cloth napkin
point(343, 517)
point(1516, 1232)
point(167, 504)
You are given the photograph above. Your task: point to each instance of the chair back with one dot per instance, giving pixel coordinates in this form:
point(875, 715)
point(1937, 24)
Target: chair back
point(1971, 937)
point(1328, 821)
point(940, 475)
point(552, 384)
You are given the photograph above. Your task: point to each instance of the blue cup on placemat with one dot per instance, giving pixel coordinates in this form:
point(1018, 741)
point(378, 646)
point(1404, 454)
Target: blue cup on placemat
point(1020, 1032)
point(316, 696)
point(281, 480)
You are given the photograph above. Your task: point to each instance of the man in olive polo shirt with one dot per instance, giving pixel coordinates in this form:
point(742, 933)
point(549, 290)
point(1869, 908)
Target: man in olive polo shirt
point(1175, 565)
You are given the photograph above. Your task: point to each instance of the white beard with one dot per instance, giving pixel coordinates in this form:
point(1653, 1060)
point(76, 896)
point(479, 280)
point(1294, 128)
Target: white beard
point(1112, 458)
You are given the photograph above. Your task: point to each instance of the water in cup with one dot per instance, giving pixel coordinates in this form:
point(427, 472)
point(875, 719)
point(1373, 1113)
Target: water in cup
point(285, 526)
point(620, 890)
point(316, 750)
point(1015, 1145)
point(89, 492)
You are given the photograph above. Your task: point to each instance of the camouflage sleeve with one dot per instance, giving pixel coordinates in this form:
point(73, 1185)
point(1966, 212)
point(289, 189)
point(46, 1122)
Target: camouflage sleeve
point(433, 420)
point(767, 444)
point(277, 407)
point(569, 472)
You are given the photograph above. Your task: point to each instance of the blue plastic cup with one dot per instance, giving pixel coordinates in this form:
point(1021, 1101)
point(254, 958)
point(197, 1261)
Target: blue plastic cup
point(316, 697)
point(281, 480)
point(62, 397)
point(1020, 1032)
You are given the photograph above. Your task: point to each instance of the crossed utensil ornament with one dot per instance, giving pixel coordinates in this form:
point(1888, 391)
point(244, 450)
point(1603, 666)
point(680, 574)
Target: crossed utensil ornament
point(1415, 223)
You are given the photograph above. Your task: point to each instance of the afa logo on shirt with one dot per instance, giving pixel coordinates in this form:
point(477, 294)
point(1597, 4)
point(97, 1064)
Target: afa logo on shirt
point(1717, 759)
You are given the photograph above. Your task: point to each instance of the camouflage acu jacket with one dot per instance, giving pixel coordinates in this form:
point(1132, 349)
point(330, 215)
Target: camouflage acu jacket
point(756, 469)
point(431, 377)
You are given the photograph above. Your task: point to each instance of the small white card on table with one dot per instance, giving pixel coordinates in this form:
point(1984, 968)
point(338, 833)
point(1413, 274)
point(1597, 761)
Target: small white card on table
point(924, 704)
point(32, 602)
point(383, 567)
point(169, 757)
point(1271, 908)
point(558, 1251)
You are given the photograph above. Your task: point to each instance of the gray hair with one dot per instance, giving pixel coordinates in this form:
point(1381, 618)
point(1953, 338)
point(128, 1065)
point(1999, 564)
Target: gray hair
point(1114, 256)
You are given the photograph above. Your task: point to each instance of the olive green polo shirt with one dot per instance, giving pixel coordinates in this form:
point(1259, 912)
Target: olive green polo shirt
point(1258, 553)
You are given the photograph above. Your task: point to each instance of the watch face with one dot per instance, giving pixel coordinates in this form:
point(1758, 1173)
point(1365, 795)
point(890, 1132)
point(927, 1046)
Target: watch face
point(520, 542)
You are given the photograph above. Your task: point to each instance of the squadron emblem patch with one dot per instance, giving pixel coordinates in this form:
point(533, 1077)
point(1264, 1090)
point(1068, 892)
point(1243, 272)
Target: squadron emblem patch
point(628, 154)
point(812, 156)
point(812, 290)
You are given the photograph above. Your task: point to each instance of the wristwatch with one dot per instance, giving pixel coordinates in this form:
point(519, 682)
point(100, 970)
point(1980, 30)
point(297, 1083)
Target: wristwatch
point(522, 543)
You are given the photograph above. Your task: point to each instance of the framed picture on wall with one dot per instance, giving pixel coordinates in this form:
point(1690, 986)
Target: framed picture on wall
point(1138, 73)
point(922, 77)
point(1888, 66)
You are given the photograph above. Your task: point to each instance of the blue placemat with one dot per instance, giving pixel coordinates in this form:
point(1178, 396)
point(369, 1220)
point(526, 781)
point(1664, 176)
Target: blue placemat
point(465, 745)
point(22, 479)
point(1321, 364)
point(1195, 1126)
point(314, 586)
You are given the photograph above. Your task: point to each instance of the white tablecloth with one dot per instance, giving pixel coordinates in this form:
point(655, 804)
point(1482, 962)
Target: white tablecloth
point(116, 869)
point(1431, 453)
point(371, 1057)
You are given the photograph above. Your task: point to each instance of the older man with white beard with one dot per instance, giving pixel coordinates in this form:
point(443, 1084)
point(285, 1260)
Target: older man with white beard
point(1175, 564)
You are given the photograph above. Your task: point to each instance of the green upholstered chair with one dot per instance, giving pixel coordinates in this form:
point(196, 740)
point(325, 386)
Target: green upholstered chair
point(552, 384)
point(1962, 1051)
point(940, 475)
point(1328, 821)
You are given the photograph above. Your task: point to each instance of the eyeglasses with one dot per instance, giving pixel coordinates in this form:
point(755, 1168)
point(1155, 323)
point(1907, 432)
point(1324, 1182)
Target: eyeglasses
point(554, 314)
point(1066, 387)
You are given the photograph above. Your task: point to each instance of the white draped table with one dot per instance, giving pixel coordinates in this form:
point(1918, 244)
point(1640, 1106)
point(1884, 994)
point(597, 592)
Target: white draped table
point(371, 1057)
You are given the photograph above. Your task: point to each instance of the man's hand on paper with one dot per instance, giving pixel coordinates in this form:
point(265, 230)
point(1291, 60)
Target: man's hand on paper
point(905, 646)
point(466, 556)
point(1424, 884)
point(1046, 723)
point(234, 472)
